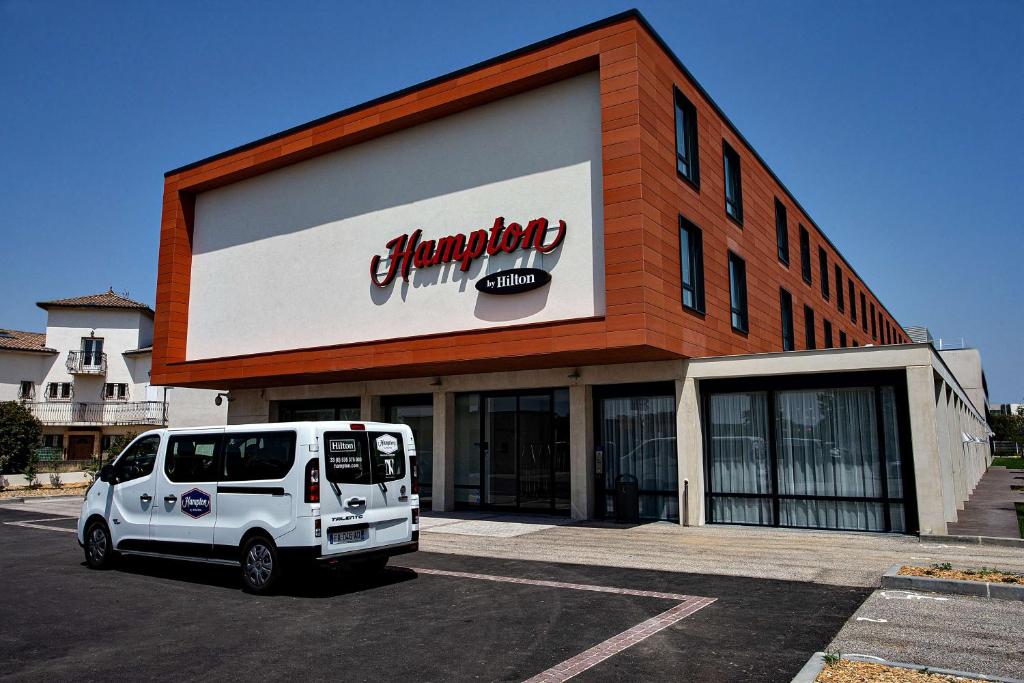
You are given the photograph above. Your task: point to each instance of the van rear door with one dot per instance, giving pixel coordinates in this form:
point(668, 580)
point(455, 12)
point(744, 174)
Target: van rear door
point(364, 472)
point(389, 453)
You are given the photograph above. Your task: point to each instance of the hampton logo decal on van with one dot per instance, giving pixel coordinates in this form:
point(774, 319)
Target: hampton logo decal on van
point(195, 503)
point(387, 444)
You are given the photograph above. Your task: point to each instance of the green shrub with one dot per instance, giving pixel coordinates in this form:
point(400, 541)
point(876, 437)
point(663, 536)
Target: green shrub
point(20, 433)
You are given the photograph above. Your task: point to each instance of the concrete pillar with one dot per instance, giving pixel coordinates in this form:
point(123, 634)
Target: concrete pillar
point(689, 444)
point(928, 480)
point(443, 482)
point(945, 459)
point(370, 407)
point(581, 451)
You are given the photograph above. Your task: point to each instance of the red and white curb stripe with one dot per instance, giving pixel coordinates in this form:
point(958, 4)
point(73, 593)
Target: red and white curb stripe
point(688, 604)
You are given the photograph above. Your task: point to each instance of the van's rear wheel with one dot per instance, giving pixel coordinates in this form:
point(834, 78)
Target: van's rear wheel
point(99, 548)
point(261, 566)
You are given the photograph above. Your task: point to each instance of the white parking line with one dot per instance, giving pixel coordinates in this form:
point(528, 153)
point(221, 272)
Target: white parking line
point(907, 595)
point(31, 525)
point(873, 621)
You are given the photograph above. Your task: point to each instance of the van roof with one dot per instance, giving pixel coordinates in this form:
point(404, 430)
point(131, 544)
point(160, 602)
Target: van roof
point(277, 426)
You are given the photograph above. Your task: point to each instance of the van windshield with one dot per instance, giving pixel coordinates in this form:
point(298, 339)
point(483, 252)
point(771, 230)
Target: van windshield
point(364, 457)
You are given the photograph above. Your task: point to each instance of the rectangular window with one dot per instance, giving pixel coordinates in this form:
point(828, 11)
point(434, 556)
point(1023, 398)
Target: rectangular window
point(863, 311)
point(828, 333)
point(805, 254)
point(733, 189)
point(53, 441)
point(58, 391)
point(840, 300)
point(842, 339)
point(192, 458)
point(855, 343)
point(738, 292)
point(782, 232)
point(823, 267)
point(26, 390)
point(786, 302)
point(874, 322)
point(115, 392)
point(92, 351)
point(257, 455)
point(810, 338)
point(691, 265)
point(687, 158)
point(888, 333)
point(853, 301)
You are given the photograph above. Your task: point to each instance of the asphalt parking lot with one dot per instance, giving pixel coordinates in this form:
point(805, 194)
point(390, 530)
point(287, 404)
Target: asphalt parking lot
point(429, 617)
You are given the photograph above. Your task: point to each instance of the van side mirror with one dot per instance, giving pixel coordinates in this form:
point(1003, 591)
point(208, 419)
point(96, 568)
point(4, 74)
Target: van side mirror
point(106, 473)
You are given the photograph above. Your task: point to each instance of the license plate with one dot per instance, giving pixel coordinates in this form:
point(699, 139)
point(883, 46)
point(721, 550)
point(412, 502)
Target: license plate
point(347, 536)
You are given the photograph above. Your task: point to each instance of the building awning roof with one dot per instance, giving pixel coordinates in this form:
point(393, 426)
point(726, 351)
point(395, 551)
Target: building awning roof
point(106, 299)
point(136, 352)
point(17, 340)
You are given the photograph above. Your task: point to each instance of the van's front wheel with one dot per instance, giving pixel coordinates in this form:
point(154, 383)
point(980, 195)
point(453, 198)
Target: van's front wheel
point(261, 566)
point(98, 547)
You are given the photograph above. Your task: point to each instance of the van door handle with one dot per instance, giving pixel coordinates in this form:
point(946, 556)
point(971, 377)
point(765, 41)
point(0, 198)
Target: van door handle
point(355, 502)
point(145, 497)
point(170, 498)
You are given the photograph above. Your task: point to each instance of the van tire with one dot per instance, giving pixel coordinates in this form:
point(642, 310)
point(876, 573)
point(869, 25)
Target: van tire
point(98, 546)
point(261, 565)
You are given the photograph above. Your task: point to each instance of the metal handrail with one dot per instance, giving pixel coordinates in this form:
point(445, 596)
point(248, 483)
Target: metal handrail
point(85, 362)
point(106, 413)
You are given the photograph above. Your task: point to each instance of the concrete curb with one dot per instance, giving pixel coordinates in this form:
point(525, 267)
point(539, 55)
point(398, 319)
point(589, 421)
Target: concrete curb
point(817, 662)
point(975, 540)
point(40, 499)
point(978, 589)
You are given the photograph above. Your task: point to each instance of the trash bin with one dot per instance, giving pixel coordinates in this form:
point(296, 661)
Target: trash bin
point(627, 499)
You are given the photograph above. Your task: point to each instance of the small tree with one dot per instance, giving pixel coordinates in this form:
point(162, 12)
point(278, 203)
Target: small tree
point(20, 433)
point(118, 444)
point(31, 470)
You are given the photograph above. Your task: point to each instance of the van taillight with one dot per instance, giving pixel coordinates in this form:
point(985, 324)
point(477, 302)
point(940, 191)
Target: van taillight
point(313, 481)
point(414, 471)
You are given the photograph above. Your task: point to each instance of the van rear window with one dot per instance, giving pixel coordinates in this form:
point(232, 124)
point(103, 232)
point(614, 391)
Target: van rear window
point(364, 458)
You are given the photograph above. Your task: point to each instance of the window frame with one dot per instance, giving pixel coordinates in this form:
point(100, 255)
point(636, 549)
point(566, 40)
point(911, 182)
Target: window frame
point(853, 300)
point(115, 395)
point(826, 290)
point(840, 298)
point(732, 174)
point(26, 390)
point(842, 339)
point(690, 142)
point(863, 311)
point(826, 325)
point(874, 322)
point(738, 304)
point(805, 255)
point(59, 395)
point(695, 259)
point(810, 334)
point(786, 310)
point(782, 232)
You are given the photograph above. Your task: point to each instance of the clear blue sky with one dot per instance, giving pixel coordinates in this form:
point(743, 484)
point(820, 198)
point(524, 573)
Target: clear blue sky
point(898, 125)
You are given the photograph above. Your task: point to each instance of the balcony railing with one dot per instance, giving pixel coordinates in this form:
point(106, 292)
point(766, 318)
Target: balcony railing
point(87, 363)
point(74, 413)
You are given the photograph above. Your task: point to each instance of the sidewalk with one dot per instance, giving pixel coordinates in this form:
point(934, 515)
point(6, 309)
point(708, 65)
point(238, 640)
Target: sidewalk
point(837, 558)
point(990, 511)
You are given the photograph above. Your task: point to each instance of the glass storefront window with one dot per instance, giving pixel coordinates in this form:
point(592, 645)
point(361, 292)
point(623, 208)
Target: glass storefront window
point(467, 449)
point(826, 458)
point(418, 413)
point(637, 437)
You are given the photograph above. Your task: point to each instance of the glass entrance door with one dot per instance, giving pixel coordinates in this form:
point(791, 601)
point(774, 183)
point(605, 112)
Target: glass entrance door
point(522, 451)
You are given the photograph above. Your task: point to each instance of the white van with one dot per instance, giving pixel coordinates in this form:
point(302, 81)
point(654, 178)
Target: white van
point(258, 496)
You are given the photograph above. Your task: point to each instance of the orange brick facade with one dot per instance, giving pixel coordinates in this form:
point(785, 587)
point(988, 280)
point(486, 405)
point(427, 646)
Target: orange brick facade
point(643, 197)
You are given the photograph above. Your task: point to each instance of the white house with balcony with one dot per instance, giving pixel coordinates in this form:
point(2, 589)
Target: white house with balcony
point(87, 376)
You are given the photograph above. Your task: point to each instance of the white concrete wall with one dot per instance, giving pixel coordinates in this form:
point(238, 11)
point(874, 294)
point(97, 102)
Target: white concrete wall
point(194, 407)
point(282, 260)
point(16, 367)
point(121, 330)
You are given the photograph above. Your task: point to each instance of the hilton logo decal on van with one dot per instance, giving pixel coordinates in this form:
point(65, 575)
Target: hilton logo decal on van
point(195, 503)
